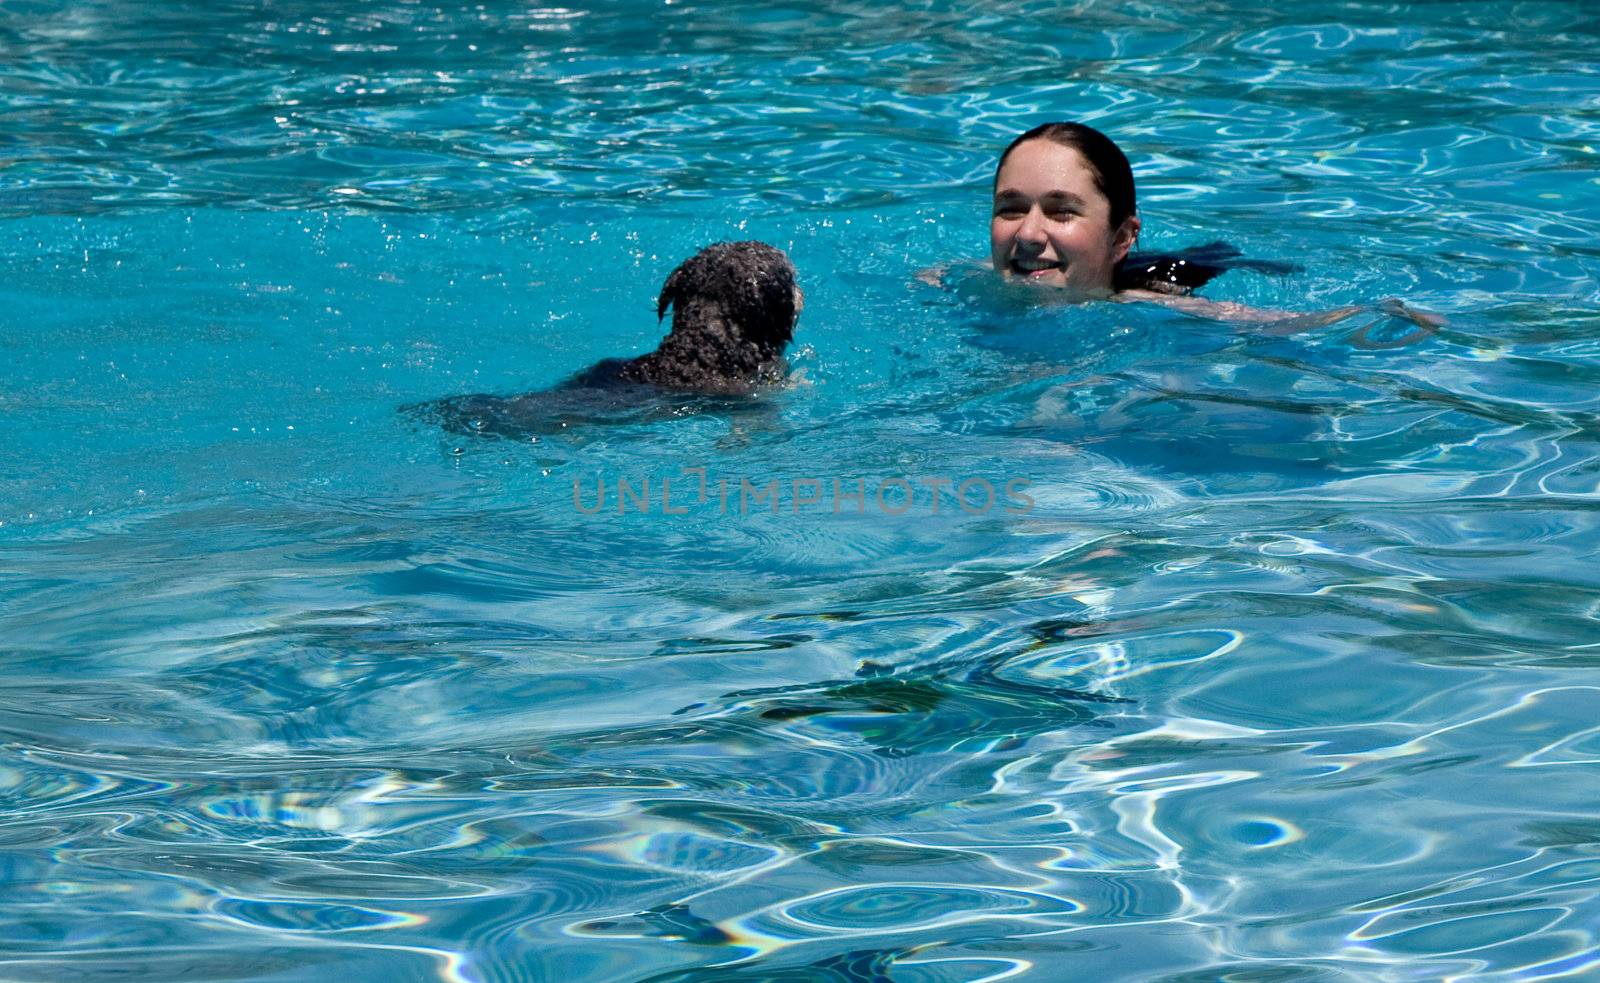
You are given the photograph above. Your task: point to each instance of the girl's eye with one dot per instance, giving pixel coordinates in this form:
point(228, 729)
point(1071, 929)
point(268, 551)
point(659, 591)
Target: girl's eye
point(1061, 214)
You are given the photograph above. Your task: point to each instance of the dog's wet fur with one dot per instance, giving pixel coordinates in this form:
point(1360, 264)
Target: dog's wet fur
point(734, 306)
point(733, 313)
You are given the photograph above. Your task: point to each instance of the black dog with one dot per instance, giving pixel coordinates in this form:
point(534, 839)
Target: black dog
point(734, 306)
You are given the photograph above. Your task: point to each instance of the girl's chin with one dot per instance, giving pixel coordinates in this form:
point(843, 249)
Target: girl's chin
point(1056, 279)
point(1059, 286)
point(1047, 278)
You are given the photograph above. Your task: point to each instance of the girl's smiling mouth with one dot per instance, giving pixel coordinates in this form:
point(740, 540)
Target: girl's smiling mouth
point(1035, 267)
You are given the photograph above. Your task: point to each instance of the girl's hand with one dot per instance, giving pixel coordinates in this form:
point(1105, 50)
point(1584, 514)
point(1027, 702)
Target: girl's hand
point(1427, 323)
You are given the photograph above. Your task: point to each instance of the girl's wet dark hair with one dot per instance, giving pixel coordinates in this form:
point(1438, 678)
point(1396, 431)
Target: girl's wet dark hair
point(1112, 174)
point(1179, 272)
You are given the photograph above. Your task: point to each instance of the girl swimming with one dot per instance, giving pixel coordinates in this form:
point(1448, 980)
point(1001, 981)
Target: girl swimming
point(1065, 216)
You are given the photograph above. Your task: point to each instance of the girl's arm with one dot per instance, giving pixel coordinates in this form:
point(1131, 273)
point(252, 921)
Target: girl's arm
point(1222, 310)
point(1277, 322)
point(939, 275)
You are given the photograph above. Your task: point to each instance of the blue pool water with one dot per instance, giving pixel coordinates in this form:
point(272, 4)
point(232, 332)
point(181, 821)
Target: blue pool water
point(1290, 672)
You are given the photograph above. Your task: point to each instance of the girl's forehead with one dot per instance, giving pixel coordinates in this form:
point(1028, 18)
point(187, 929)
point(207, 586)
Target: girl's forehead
point(1042, 170)
point(1045, 161)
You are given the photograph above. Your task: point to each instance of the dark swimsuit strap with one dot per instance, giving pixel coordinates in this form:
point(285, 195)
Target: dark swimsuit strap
point(1182, 272)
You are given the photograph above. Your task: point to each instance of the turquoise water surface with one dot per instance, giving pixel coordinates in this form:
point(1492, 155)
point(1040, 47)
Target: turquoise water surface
point(1290, 671)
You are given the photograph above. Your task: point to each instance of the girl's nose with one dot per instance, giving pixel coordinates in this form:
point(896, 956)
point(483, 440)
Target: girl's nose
point(1032, 227)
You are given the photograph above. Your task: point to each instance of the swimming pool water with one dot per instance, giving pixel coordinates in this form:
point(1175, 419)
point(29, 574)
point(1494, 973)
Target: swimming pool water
point(1289, 673)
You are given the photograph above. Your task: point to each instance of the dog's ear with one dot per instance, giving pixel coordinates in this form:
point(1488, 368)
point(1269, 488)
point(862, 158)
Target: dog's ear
point(669, 293)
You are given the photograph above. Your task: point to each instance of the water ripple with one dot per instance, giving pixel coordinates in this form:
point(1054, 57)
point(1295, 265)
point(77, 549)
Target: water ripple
point(1286, 673)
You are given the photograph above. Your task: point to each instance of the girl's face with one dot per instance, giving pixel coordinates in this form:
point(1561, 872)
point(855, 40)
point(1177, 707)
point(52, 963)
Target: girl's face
point(1051, 225)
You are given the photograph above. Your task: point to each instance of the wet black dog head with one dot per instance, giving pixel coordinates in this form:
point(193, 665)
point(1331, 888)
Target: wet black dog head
point(739, 293)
